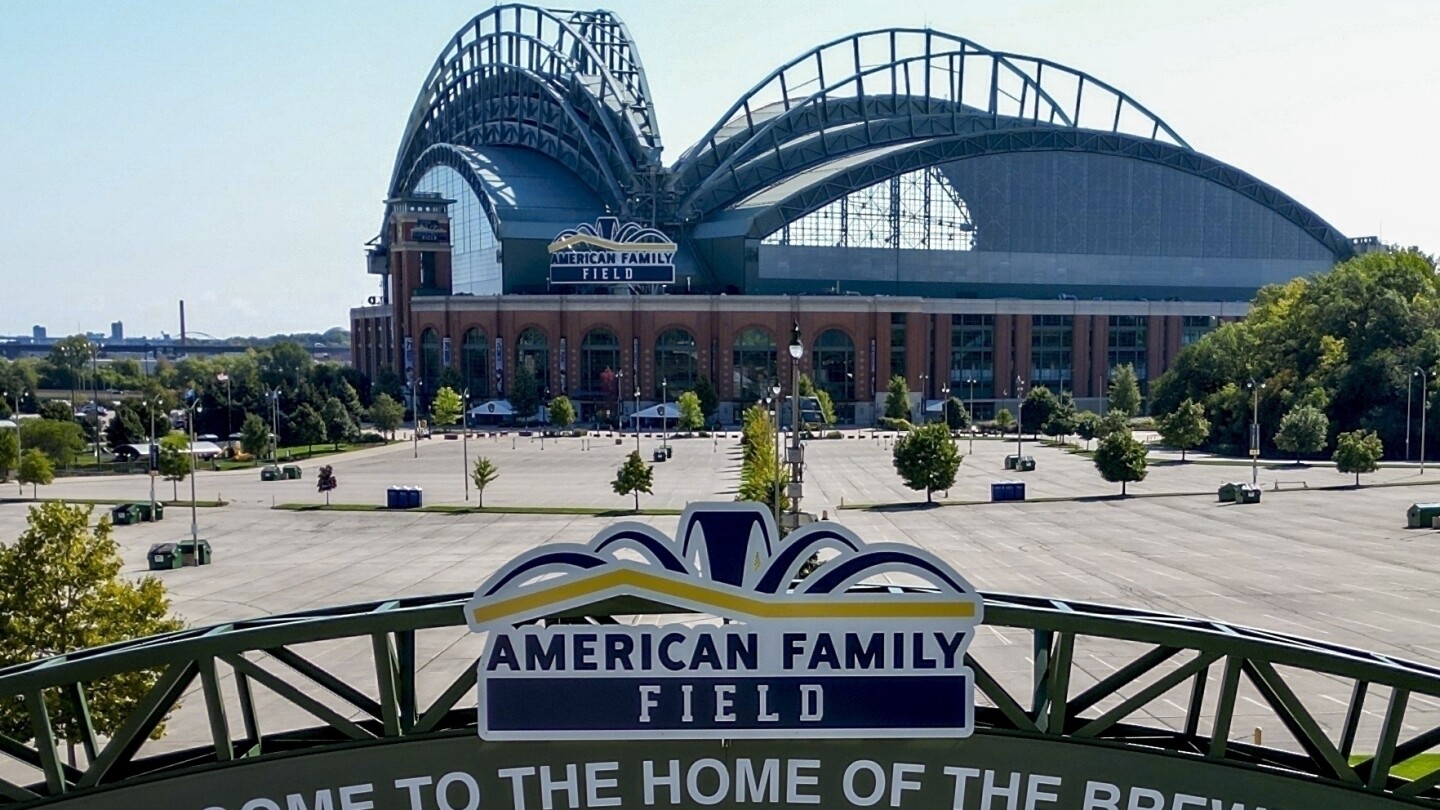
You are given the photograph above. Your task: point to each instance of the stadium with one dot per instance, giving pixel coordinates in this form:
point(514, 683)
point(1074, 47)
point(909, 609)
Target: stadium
point(978, 221)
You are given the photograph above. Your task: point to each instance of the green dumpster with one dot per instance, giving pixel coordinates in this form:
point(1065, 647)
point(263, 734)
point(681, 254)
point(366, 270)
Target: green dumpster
point(270, 473)
point(292, 472)
point(658, 455)
point(1227, 491)
point(163, 556)
point(124, 514)
point(1012, 462)
point(1247, 493)
point(1025, 464)
point(193, 553)
point(1421, 515)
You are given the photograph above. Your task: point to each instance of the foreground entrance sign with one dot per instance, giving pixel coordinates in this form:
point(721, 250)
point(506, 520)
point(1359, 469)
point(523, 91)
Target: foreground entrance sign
point(612, 252)
point(787, 656)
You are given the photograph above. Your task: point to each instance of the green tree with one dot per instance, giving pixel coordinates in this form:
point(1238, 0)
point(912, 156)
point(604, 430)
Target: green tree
point(1004, 420)
point(57, 411)
point(1113, 422)
point(926, 458)
point(254, 436)
point(9, 452)
point(1358, 451)
point(386, 413)
point(1302, 430)
point(61, 441)
point(524, 393)
point(692, 416)
point(1087, 426)
point(35, 470)
point(308, 427)
point(61, 590)
point(761, 476)
point(125, 427)
point(450, 377)
point(1039, 405)
point(709, 399)
point(897, 398)
point(827, 405)
point(956, 416)
point(1125, 390)
point(388, 382)
point(483, 474)
point(325, 482)
point(174, 460)
point(633, 478)
point(1064, 417)
point(70, 356)
point(445, 408)
point(1185, 427)
point(338, 424)
point(562, 412)
point(1121, 458)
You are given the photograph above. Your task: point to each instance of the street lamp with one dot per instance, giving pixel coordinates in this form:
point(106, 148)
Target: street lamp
point(971, 382)
point(152, 449)
point(1019, 420)
point(797, 350)
point(1409, 390)
point(193, 408)
point(465, 441)
point(636, 417)
point(945, 405)
point(1424, 408)
point(924, 397)
point(1255, 431)
point(774, 395)
point(664, 427)
point(1100, 391)
point(273, 394)
point(19, 442)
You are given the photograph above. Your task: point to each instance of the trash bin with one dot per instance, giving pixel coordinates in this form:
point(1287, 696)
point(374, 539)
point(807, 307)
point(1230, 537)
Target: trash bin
point(159, 511)
point(1421, 515)
point(163, 556)
point(124, 514)
point(193, 553)
point(1011, 462)
point(142, 512)
point(1226, 493)
point(292, 472)
point(1026, 464)
point(270, 473)
point(1246, 493)
point(669, 451)
point(658, 455)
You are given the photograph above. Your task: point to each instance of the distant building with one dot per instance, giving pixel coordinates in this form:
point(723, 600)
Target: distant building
point(37, 332)
point(117, 330)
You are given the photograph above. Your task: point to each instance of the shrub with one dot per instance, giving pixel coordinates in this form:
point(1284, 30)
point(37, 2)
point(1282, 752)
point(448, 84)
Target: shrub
point(891, 423)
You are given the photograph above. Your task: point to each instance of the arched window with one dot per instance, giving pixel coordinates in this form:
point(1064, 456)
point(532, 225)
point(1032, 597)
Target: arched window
point(676, 360)
point(599, 350)
point(429, 364)
point(754, 362)
point(834, 364)
point(475, 363)
point(532, 351)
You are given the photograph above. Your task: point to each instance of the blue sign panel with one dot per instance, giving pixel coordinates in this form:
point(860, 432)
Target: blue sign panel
point(609, 252)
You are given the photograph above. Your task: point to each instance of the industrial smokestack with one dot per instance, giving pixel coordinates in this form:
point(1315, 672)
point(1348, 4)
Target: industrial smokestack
point(182, 322)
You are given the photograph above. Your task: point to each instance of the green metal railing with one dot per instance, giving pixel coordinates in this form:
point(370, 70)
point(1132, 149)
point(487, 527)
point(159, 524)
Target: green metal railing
point(1175, 654)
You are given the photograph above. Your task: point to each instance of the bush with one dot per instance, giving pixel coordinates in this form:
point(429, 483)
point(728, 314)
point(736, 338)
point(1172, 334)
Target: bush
point(370, 437)
point(891, 423)
point(834, 434)
point(579, 433)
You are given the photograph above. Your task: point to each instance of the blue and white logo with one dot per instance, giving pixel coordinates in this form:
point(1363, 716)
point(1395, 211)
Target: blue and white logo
point(610, 252)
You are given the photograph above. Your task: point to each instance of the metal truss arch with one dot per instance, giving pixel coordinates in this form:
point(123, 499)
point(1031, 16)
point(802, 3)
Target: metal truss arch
point(891, 162)
point(1165, 660)
point(462, 160)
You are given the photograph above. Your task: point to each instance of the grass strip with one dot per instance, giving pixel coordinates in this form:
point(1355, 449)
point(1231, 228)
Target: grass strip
point(455, 509)
point(116, 502)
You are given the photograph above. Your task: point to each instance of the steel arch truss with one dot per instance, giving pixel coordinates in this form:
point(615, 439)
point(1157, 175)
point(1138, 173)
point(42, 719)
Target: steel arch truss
point(985, 141)
point(571, 87)
point(890, 86)
point(1162, 660)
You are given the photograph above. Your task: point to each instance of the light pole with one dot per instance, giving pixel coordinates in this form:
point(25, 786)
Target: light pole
point(465, 441)
point(20, 445)
point(1424, 408)
point(945, 405)
point(664, 427)
point(636, 417)
point(971, 382)
point(229, 408)
point(1100, 390)
point(797, 350)
point(924, 398)
point(152, 449)
point(194, 408)
point(1019, 420)
point(1409, 390)
point(273, 394)
point(1255, 431)
point(415, 417)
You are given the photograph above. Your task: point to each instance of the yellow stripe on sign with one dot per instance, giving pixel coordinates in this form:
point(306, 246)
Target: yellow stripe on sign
point(724, 602)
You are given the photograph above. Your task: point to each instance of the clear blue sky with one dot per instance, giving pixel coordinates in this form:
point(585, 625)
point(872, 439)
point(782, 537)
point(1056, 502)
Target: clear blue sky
point(234, 154)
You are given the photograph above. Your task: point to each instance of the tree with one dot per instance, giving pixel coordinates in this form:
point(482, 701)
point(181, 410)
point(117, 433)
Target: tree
point(386, 413)
point(174, 461)
point(69, 356)
point(325, 482)
point(633, 478)
point(1120, 457)
point(822, 397)
point(524, 393)
point(338, 424)
point(254, 436)
point(125, 428)
point(445, 408)
point(761, 476)
point(1358, 451)
point(389, 383)
point(1302, 430)
point(897, 398)
point(692, 416)
point(61, 590)
point(1125, 390)
point(562, 412)
point(483, 474)
point(57, 411)
point(1004, 420)
point(1063, 417)
point(1087, 426)
point(956, 416)
point(9, 452)
point(308, 427)
point(35, 470)
point(1113, 422)
point(709, 399)
point(1185, 427)
point(1039, 405)
point(450, 377)
point(926, 458)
